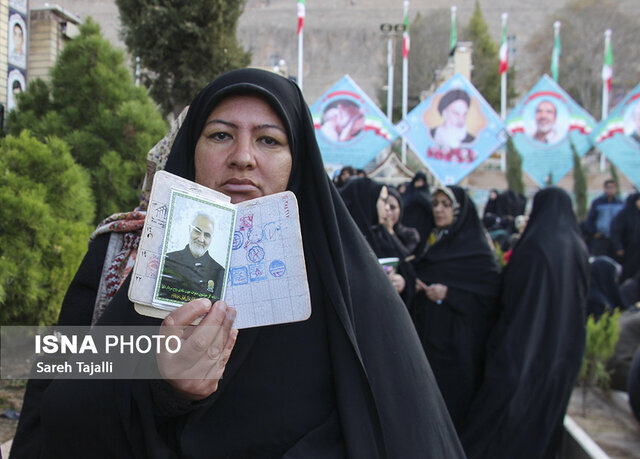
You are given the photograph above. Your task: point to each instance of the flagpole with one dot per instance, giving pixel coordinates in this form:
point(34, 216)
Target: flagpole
point(390, 62)
point(300, 45)
point(405, 76)
point(606, 78)
point(301, 15)
point(555, 55)
point(503, 84)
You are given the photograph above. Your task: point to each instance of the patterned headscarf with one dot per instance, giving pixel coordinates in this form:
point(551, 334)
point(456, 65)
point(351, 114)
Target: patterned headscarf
point(126, 227)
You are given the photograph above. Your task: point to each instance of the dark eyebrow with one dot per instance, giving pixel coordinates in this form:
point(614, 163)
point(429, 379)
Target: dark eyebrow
point(235, 126)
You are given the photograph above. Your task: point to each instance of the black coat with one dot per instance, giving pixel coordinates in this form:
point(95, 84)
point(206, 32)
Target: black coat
point(535, 350)
point(625, 235)
point(352, 380)
point(454, 333)
point(202, 277)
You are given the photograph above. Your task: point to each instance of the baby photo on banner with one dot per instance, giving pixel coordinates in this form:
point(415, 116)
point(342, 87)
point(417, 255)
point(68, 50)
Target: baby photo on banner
point(453, 131)
point(544, 125)
point(350, 128)
point(618, 136)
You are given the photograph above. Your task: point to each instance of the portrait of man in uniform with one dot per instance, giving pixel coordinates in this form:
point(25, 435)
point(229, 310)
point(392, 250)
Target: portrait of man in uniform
point(192, 272)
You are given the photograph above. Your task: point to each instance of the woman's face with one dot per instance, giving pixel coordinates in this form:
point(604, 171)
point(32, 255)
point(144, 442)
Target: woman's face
point(243, 150)
point(393, 210)
point(442, 210)
point(381, 204)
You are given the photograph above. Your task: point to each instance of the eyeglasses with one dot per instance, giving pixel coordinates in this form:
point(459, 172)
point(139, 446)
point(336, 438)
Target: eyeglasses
point(199, 232)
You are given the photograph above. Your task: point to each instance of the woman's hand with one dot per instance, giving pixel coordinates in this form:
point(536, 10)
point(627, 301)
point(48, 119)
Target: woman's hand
point(194, 371)
point(436, 292)
point(398, 282)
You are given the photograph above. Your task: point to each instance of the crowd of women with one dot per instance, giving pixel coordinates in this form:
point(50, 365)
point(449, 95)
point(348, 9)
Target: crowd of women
point(445, 354)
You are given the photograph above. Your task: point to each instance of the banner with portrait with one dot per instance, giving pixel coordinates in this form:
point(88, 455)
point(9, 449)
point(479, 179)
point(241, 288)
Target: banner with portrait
point(453, 131)
point(618, 136)
point(16, 84)
point(18, 39)
point(543, 126)
point(350, 128)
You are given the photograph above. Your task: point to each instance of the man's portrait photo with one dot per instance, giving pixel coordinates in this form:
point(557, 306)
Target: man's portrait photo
point(17, 41)
point(16, 83)
point(450, 128)
point(342, 120)
point(453, 108)
point(547, 121)
point(196, 235)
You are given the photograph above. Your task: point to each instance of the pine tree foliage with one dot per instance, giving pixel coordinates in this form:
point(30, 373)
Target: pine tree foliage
point(182, 45)
point(45, 219)
point(93, 105)
point(515, 181)
point(579, 186)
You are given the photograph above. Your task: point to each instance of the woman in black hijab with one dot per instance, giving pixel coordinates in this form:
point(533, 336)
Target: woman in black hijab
point(349, 381)
point(366, 201)
point(604, 291)
point(416, 202)
point(458, 275)
point(491, 207)
point(408, 237)
point(625, 236)
point(535, 350)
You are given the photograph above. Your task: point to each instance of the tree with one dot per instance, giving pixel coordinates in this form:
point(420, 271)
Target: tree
point(579, 186)
point(514, 168)
point(429, 51)
point(45, 219)
point(93, 105)
point(486, 61)
point(582, 33)
point(183, 45)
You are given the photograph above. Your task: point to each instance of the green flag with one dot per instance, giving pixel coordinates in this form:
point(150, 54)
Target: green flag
point(453, 41)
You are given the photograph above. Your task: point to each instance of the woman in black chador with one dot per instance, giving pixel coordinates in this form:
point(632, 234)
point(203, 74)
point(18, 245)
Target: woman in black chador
point(625, 236)
point(351, 381)
point(416, 202)
point(535, 350)
point(453, 312)
point(604, 292)
point(367, 202)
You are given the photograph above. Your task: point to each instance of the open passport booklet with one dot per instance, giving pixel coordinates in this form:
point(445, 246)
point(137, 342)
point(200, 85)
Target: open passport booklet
point(196, 244)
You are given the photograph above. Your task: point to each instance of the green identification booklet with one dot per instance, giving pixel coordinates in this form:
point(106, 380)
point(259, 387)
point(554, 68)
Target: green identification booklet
point(196, 244)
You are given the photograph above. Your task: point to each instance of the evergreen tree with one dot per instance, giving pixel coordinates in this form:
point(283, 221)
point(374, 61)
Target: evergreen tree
point(183, 45)
point(93, 105)
point(615, 177)
point(45, 220)
point(486, 61)
point(514, 168)
point(579, 186)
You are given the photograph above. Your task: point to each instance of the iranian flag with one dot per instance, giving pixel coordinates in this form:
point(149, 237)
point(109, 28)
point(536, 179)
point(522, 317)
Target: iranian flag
point(301, 12)
point(607, 68)
point(406, 40)
point(453, 39)
point(504, 52)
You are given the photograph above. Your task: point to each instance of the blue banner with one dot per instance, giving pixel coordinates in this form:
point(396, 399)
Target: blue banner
point(543, 126)
point(453, 131)
point(618, 137)
point(350, 128)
